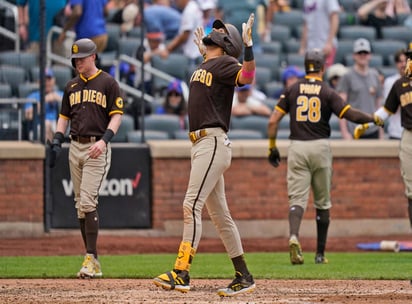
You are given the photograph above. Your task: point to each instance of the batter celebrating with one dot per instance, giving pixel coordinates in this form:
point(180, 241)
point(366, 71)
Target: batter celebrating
point(93, 105)
point(209, 108)
point(400, 95)
point(310, 103)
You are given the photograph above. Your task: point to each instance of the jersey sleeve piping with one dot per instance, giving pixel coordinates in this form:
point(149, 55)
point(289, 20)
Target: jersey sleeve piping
point(64, 117)
point(344, 110)
point(280, 110)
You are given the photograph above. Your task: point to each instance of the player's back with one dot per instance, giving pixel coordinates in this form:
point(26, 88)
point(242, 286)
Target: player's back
point(310, 103)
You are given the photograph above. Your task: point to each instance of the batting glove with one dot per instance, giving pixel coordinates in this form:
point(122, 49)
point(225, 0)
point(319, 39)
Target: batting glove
point(274, 157)
point(360, 130)
point(247, 30)
point(55, 148)
point(199, 34)
point(378, 120)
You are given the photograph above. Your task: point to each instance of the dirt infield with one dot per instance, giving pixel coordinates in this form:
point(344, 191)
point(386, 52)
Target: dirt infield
point(134, 291)
point(52, 291)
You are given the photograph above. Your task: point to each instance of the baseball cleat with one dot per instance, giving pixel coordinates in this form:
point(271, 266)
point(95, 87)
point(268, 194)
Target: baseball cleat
point(241, 284)
point(173, 280)
point(90, 268)
point(295, 251)
point(321, 259)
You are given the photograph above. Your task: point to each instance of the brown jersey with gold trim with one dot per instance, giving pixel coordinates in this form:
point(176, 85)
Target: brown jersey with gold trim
point(89, 103)
point(401, 95)
point(212, 86)
point(310, 103)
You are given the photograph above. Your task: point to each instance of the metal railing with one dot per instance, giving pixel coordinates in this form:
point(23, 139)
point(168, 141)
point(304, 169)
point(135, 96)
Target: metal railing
point(17, 104)
point(12, 35)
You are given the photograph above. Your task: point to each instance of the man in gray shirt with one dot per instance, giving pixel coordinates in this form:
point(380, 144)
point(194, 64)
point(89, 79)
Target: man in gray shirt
point(361, 88)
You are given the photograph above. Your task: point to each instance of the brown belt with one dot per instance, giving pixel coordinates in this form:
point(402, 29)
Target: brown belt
point(196, 135)
point(84, 139)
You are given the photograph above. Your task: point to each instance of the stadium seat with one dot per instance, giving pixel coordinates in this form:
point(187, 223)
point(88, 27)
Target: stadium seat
point(295, 59)
point(176, 65)
point(128, 46)
point(271, 61)
point(400, 32)
point(5, 90)
point(137, 137)
point(353, 32)
point(244, 134)
point(376, 60)
point(24, 89)
point(168, 123)
point(251, 122)
point(344, 47)
point(387, 48)
point(272, 47)
point(262, 77)
point(13, 75)
point(281, 33)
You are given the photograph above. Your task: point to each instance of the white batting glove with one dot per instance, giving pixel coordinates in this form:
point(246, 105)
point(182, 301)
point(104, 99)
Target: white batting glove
point(247, 30)
point(199, 34)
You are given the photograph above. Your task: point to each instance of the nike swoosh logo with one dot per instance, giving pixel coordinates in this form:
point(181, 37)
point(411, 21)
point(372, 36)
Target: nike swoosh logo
point(73, 85)
point(405, 84)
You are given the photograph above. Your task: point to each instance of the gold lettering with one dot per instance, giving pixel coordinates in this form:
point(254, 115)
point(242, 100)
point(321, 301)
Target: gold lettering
point(202, 76)
point(309, 89)
point(92, 95)
point(406, 99)
point(85, 95)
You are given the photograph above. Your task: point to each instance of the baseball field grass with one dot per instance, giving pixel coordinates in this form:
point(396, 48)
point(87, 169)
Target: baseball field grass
point(363, 265)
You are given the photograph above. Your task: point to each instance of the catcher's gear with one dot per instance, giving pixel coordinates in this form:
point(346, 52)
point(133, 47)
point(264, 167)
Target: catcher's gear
point(230, 41)
point(55, 148)
point(360, 130)
point(247, 30)
point(274, 157)
point(199, 34)
point(83, 48)
point(314, 60)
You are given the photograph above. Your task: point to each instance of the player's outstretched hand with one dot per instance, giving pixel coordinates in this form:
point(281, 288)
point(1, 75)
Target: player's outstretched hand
point(247, 30)
point(274, 157)
point(360, 130)
point(378, 120)
point(199, 34)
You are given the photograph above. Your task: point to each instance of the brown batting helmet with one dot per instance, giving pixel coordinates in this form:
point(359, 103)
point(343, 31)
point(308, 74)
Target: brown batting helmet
point(314, 60)
point(230, 41)
point(82, 48)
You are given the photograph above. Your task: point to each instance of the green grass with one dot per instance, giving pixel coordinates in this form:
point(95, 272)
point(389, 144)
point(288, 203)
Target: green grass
point(365, 265)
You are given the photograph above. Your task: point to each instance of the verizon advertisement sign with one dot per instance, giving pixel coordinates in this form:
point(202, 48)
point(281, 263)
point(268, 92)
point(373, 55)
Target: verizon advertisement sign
point(124, 198)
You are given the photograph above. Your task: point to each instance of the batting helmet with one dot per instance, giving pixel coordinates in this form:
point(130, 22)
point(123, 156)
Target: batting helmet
point(230, 41)
point(83, 48)
point(314, 60)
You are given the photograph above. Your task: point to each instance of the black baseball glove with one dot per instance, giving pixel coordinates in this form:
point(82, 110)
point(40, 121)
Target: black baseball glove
point(274, 157)
point(55, 148)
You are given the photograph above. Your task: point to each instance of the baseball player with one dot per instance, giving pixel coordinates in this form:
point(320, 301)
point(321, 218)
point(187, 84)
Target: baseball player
point(212, 87)
point(310, 103)
point(93, 106)
point(400, 96)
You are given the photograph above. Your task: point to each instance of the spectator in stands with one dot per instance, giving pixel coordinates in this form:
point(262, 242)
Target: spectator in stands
point(394, 121)
point(126, 15)
point(274, 6)
point(244, 103)
point(334, 73)
point(160, 16)
point(88, 19)
point(208, 8)
point(374, 13)
point(361, 88)
point(175, 103)
point(320, 27)
point(289, 76)
point(53, 98)
point(29, 20)
point(192, 18)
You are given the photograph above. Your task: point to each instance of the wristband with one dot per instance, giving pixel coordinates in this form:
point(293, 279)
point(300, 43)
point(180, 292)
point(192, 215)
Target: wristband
point(272, 143)
point(248, 74)
point(107, 136)
point(59, 136)
point(248, 55)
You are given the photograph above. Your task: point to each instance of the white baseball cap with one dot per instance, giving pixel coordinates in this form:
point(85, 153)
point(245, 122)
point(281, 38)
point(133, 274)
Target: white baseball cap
point(361, 45)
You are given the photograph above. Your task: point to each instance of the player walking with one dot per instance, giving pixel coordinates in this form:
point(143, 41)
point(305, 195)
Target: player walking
point(209, 107)
point(400, 96)
point(310, 103)
point(93, 105)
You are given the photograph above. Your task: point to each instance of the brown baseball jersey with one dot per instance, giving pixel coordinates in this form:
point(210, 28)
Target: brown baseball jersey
point(89, 103)
point(310, 103)
point(212, 87)
point(401, 95)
